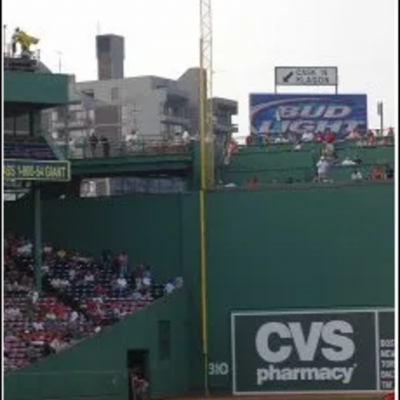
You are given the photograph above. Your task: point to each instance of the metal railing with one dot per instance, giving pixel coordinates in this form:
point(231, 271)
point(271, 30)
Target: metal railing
point(361, 142)
point(123, 149)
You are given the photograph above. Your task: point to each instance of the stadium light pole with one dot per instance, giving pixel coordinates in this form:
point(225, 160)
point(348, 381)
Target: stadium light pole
point(59, 54)
point(380, 113)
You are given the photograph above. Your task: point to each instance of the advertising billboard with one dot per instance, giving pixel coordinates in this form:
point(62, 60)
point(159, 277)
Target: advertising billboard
point(312, 351)
point(295, 114)
point(36, 170)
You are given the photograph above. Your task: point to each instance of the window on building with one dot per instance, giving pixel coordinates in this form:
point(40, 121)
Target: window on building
point(62, 113)
point(89, 93)
point(114, 94)
point(164, 340)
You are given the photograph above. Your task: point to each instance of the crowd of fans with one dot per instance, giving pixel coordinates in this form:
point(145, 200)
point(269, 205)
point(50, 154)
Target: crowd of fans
point(371, 138)
point(329, 158)
point(80, 296)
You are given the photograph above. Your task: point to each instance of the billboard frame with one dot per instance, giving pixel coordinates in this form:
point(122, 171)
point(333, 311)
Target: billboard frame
point(238, 313)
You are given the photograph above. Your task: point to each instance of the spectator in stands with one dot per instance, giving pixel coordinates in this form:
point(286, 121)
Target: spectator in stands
point(307, 137)
point(253, 184)
point(377, 173)
point(178, 282)
point(388, 139)
point(354, 135)
point(131, 140)
point(356, 175)
point(93, 142)
point(323, 166)
point(389, 171)
point(280, 139)
point(371, 138)
point(319, 137)
point(107, 257)
point(138, 276)
point(147, 277)
point(169, 287)
point(330, 137)
point(105, 144)
point(123, 264)
point(140, 386)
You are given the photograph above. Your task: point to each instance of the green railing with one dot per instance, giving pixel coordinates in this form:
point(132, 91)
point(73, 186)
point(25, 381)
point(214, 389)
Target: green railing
point(123, 149)
point(287, 146)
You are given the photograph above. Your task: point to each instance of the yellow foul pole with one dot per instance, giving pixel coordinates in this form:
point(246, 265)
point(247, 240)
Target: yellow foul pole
point(206, 162)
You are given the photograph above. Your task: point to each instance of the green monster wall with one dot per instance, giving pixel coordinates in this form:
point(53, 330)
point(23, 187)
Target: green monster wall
point(297, 249)
point(294, 248)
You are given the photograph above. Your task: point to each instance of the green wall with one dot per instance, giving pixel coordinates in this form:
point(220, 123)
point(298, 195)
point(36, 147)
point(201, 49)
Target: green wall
point(280, 162)
point(146, 226)
point(97, 368)
point(299, 247)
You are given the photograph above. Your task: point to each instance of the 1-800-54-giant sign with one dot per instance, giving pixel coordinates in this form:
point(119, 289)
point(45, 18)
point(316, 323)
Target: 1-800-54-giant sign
point(321, 351)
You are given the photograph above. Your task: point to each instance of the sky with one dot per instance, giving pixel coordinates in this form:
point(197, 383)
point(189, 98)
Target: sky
point(251, 38)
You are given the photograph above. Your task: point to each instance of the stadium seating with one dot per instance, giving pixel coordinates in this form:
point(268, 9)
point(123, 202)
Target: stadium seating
point(291, 162)
point(80, 297)
point(29, 148)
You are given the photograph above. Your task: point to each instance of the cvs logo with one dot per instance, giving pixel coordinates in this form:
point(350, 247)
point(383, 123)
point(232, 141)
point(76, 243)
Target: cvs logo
point(331, 338)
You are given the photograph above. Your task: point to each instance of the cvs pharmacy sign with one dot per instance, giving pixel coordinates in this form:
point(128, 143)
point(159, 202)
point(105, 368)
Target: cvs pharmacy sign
point(329, 339)
point(332, 339)
point(303, 351)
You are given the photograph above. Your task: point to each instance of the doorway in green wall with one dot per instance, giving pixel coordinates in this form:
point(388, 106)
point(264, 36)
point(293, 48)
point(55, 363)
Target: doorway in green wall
point(138, 371)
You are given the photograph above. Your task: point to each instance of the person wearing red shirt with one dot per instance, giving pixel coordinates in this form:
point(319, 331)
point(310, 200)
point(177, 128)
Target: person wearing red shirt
point(330, 137)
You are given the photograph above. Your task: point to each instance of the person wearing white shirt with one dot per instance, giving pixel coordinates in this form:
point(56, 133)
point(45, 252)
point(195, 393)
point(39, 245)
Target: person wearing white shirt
point(185, 136)
point(169, 288)
point(356, 176)
point(121, 283)
point(74, 316)
point(307, 137)
point(323, 168)
point(25, 250)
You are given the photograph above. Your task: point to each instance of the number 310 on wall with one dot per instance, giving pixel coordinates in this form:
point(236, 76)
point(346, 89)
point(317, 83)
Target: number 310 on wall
point(219, 369)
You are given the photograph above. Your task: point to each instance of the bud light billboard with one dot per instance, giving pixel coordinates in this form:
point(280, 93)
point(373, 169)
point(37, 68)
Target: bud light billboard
point(295, 114)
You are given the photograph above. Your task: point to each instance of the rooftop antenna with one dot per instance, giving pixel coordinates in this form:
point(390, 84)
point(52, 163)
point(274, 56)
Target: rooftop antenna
point(59, 53)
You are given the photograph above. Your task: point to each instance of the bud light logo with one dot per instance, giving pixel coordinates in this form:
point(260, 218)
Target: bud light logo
point(296, 114)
